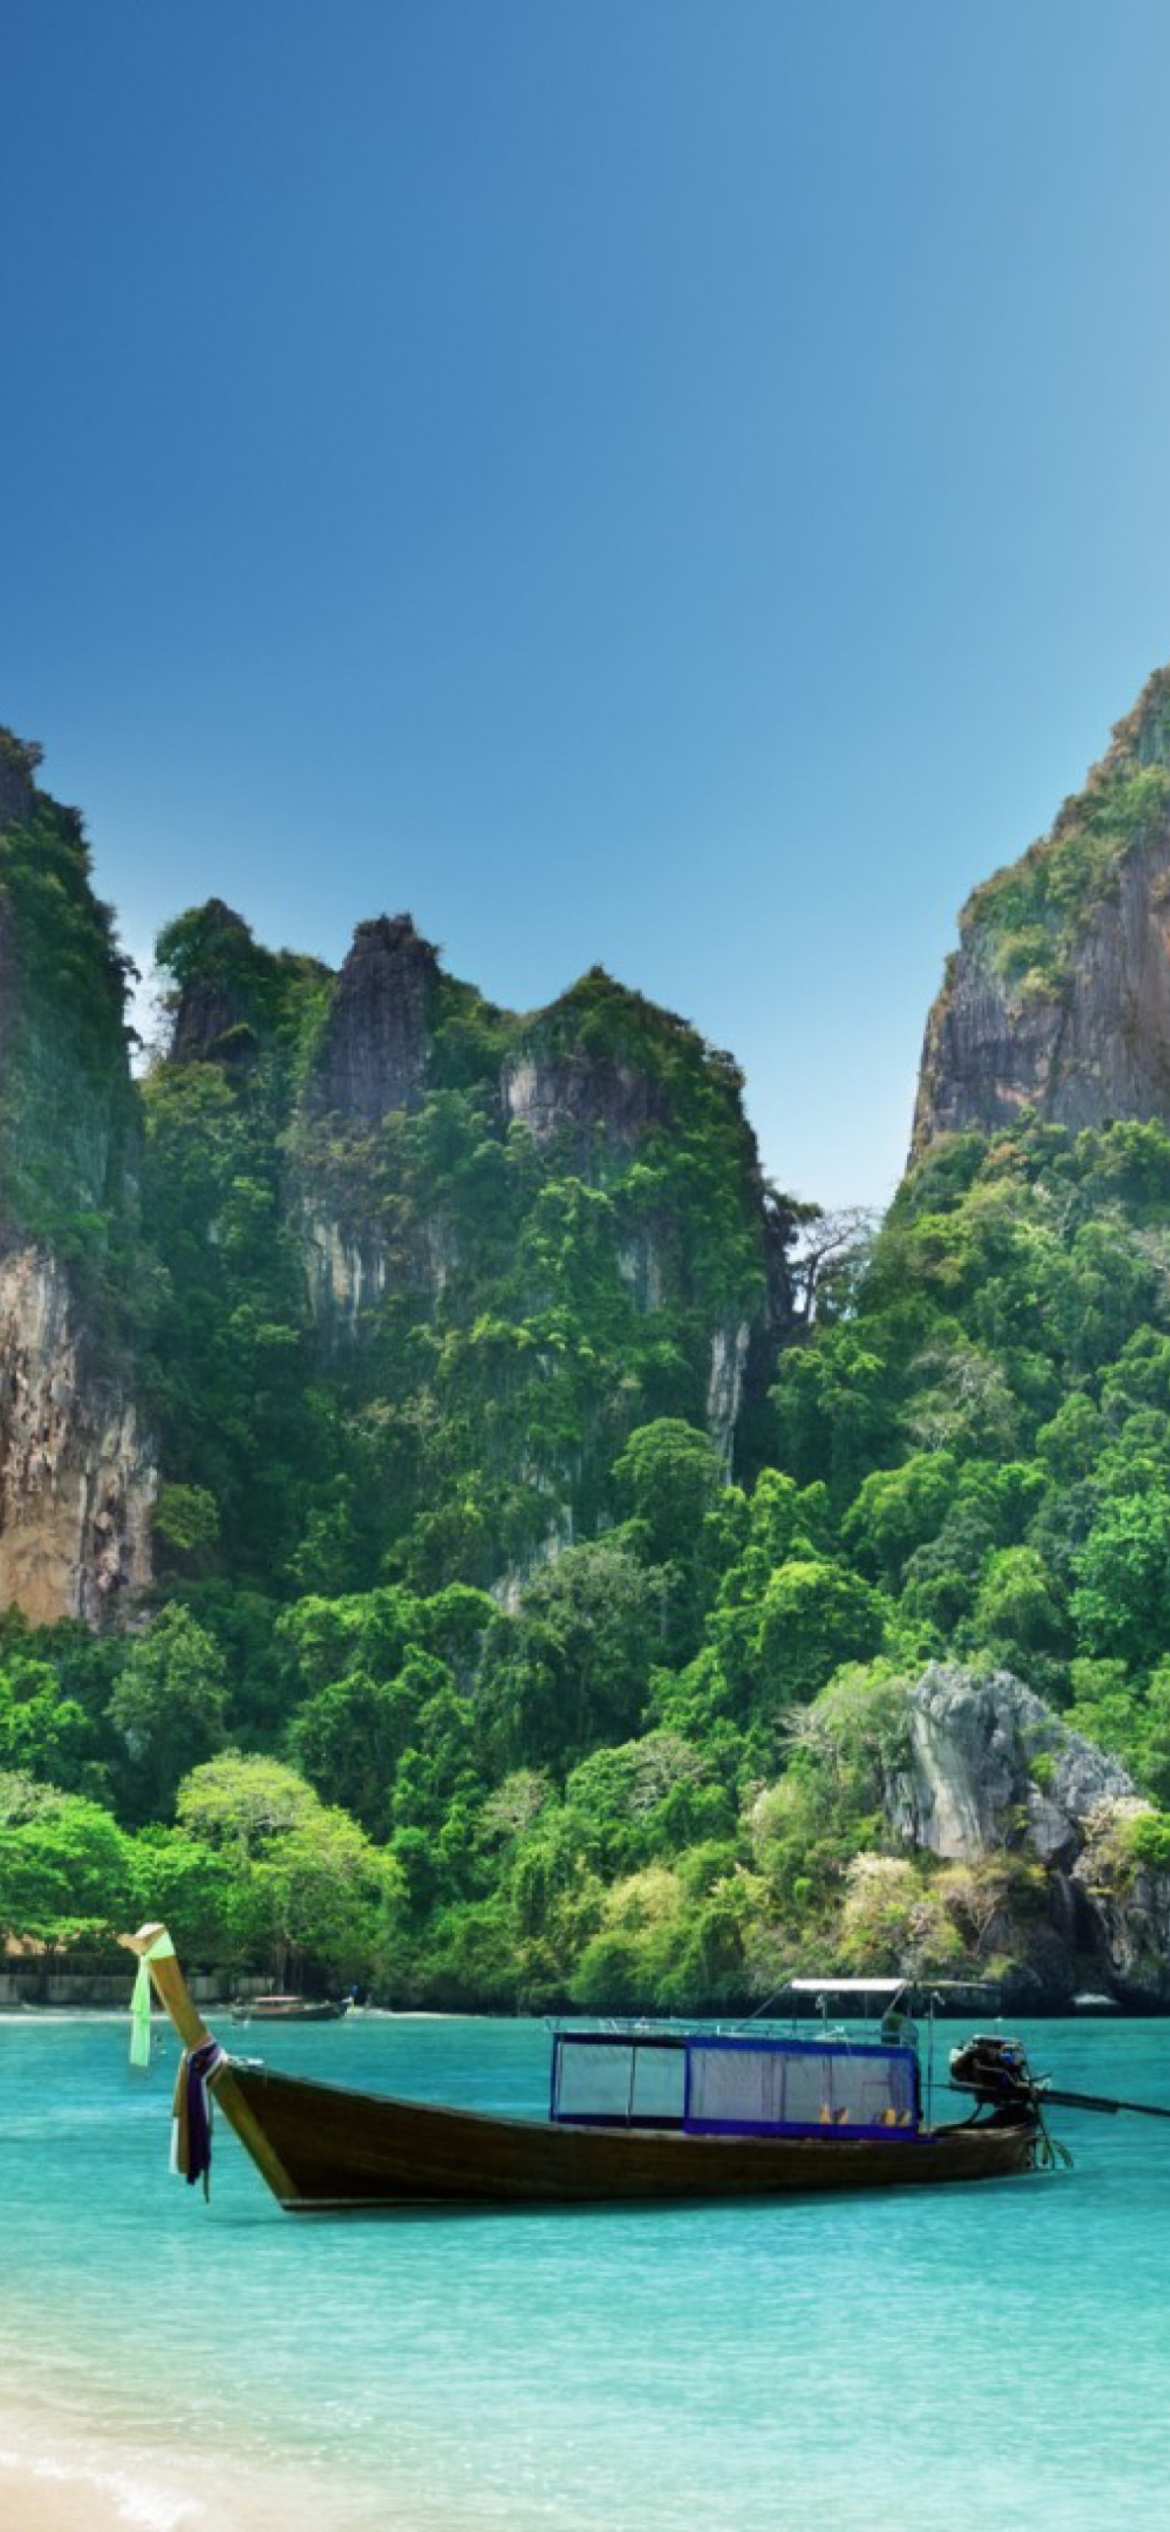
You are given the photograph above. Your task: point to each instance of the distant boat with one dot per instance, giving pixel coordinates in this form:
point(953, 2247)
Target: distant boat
point(290, 2009)
point(638, 2111)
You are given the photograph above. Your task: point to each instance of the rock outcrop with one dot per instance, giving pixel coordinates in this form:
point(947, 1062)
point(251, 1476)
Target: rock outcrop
point(605, 1095)
point(377, 1046)
point(600, 1081)
point(215, 1015)
point(19, 759)
point(77, 1475)
point(989, 1760)
point(989, 1770)
point(600, 1104)
point(1058, 998)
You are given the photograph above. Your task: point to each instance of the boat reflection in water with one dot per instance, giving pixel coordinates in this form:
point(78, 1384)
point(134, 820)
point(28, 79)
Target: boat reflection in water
point(636, 2111)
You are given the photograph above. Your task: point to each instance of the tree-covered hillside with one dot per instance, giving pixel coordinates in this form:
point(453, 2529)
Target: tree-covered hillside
point(543, 1585)
point(659, 1777)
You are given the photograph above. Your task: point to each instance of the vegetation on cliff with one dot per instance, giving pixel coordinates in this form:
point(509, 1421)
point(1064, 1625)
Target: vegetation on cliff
point(474, 1669)
point(663, 1773)
point(68, 1116)
point(498, 1304)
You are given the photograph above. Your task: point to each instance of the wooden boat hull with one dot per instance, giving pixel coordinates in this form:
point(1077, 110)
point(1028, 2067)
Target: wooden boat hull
point(332, 2147)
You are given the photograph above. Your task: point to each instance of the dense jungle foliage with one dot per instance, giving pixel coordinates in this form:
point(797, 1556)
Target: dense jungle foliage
point(474, 1671)
point(656, 1778)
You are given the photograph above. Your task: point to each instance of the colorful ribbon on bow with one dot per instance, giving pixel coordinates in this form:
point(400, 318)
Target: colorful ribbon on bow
point(191, 2131)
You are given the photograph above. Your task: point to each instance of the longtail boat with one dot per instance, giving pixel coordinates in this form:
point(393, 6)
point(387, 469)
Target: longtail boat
point(638, 2111)
point(290, 2009)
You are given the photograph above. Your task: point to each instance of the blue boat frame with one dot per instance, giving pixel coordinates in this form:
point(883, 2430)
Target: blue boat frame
point(874, 2132)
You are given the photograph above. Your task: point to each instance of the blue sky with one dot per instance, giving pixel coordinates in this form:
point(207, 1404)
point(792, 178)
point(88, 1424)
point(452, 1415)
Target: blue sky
point(676, 485)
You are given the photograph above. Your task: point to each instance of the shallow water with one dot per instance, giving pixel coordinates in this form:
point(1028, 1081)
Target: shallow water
point(997, 2353)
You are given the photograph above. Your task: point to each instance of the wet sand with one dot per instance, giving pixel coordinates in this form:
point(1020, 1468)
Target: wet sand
point(56, 2483)
point(55, 2494)
point(58, 2476)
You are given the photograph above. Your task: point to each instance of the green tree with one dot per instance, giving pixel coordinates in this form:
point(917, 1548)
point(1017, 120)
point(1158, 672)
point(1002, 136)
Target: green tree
point(348, 1741)
point(310, 1887)
point(169, 1707)
point(811, 1616)
point(669, 1476)
point(575, 1669)
point(1018, 1612)
point(66, 1868)
point(1121, 1606)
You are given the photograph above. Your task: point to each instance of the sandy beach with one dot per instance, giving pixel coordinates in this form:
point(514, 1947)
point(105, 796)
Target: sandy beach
point(72, 2482)
point(55, 2493)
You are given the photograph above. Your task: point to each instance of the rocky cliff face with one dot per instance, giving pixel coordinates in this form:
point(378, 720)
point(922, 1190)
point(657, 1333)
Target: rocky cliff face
point(519, 1236)
point(989, 1770)
point(1058, 997)
point(77, 1476)
point(214, 1020)
point(605, 1099)
point(373, 1065)
point(377, 1047)
point(600, 1104)
point(77, 1479)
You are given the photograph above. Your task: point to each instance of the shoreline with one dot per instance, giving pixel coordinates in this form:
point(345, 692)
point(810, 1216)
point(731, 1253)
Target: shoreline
point(69, 2478)
point(45, 2495)
point(57, 2476)
point(66, 2467)
point(161, 2021)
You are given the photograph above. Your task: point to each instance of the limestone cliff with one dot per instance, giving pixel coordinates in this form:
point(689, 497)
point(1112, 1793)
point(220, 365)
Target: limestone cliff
point(988, 1770)
point(518, 1235)
point(1058, 997)
point(603, 1077)
point(77, 1476)
point(214, 1019)
point(565, 1083)
point(375, 1055)
point(76, 1471)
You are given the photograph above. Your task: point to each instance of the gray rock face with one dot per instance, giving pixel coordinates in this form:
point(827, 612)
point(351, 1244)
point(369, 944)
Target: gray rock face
point(77, 1475)
point(971, 1784)
point(1130, 1908)
point(1094, 1044)
point(603, 1107)
point(1098, 1051)
point(990, 1769)
point(214, 1017)
point(378, 1041)
point(725, 1385)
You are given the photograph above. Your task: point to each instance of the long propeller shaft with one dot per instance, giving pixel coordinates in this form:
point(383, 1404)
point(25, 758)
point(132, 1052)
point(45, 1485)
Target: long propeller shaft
point(1098, 2101)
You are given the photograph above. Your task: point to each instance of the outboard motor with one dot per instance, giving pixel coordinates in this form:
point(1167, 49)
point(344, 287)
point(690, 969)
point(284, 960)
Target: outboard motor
point(997, 2072)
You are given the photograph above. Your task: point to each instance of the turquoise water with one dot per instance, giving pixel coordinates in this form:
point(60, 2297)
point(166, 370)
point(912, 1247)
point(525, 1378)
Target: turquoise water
point(961, 2357)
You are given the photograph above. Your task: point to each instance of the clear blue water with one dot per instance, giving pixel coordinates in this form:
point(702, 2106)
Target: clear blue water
point(960, 2357)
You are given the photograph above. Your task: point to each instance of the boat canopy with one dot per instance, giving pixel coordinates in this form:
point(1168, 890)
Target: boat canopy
point(718, 2084)
point(887, 1986)
point(845, 1986)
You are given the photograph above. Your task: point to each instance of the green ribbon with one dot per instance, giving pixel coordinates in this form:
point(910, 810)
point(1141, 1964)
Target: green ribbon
point(161, 1949)
point(140, 2018)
